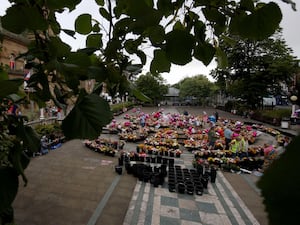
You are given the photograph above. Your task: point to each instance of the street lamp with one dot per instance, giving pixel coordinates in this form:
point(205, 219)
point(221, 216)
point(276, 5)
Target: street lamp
point(293, 99)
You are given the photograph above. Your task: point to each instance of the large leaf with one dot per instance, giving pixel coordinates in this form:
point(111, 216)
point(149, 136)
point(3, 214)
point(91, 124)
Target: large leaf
point(39, 81)
point(3, 74)
point(19, 160)
point(94, 41)
point(134, 68)
point(179, 46)
point(280, 185)
point(59, 48)
point(200, 30)
point(204, 52)
point(140, 96)
point(165, 6)
point(86, 120)
point(214, 15)
point(221, 58)
point(30, 138)
point(8, 87)
point(83, 24)
point(260, 24)
point(142, 56)
point(103, 12)
point(8, 187)
point(15, 97)
point(98, 73)
point(160, 62)
point(156, 34)
point(70, 4)
point(247, 5)
point(19, 17)
point(79, 59)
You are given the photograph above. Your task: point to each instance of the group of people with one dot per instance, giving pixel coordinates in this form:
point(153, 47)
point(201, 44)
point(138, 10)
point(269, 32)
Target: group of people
point(235, 142)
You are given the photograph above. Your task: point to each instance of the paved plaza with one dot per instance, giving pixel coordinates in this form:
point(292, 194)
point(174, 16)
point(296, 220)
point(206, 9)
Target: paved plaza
point(74, 185)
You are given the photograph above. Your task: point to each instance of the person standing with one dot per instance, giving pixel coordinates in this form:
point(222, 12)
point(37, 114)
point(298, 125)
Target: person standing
point(212, 137)
point(216, 116)
point(143, 120)
point(228, 136)
point(235, 146)
point(244, 146)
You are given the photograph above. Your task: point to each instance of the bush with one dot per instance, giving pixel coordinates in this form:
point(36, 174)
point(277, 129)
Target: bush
point(273, 117)
point(47, 129)
point(116, 108)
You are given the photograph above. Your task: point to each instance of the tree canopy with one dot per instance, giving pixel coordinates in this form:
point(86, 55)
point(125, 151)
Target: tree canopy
point(152, 86)
point(256, 68)
point(198, 87)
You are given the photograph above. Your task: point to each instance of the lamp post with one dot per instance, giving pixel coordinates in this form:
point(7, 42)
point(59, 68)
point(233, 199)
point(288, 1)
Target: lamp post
point(293, 99)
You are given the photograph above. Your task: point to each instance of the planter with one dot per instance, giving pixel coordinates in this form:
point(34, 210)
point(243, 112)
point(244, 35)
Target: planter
point(119, 169)
point(153, 160)
point(213, 175)
point(181, 188)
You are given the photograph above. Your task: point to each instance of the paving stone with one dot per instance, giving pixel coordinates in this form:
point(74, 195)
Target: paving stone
point(169, 201)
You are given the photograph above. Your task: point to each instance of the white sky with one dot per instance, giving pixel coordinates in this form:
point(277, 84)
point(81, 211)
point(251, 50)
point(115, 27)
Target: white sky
point(289, 24)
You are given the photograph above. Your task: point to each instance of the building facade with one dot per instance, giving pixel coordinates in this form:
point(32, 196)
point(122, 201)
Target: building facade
point(11, 46)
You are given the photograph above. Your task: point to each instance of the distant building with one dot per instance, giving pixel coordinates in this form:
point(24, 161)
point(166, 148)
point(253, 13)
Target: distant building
point(172, 97)
point(11, 45)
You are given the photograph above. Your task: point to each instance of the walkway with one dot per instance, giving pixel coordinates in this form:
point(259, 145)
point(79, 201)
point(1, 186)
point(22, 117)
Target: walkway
point(73, 185)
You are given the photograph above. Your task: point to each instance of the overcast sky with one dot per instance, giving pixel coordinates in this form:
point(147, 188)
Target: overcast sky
point(289, 24)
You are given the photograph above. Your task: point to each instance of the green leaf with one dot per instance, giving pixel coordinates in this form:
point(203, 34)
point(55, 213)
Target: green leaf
point(70, 4)
point(247, 5)
point(3, 75)
point(19, 17)
point(69, 32)
point(79, 59)
point(59, 48)
point(178, 26)
point(15, 97)
point(204, 52)
point(165, 6)
point(30, 139)
point(228, 40)
point(19, 160)
point(98, 73)
point(94, 40)
point(8, 187)
point(39, 81)
point(103, 12)
point(87, 118)
point(8, 87)
point(83, 24)
point(200, 30)
point(221, 58)
point(142, 56)
point(131, 46)
point(160, 62)
point(134, 68)
point(214, 15)
point(140, 96)
point(96, 28)
point(260, 24)
point(156, 34)
point(179, 46)
point(100, 2)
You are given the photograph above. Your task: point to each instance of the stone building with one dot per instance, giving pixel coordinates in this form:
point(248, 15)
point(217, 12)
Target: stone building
point(12, 45)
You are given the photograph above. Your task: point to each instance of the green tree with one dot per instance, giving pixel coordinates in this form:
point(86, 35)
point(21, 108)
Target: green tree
point(198, 87)
point(174, 29)
point(152, 86)
point(256, 68)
